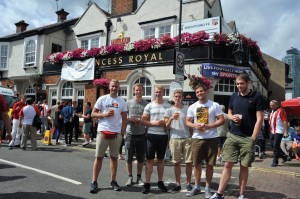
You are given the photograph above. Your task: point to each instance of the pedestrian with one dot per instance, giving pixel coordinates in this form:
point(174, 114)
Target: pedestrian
point(135, 141)
point(222, 134)
point(76, 114)
point(278, 127)
point(296, 140)
point(87, 118)
point(157, 138)
point(16, 130)
point(180, 140)
point(4, 119)
point(26, 117)
point(204, 116)
point(67, 114)
point(112, 112)
point(58, 122)
point(51, 113)
point(287, 143)
point(246, 112)
point(44, 116)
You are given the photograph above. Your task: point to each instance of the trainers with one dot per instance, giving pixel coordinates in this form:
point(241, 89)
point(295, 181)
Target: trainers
point(162, 186)
point(176, 189)
point(85, 143)
point(139, 181)
point(274, 164)
point(216, 196)
point(129, 182)
point(146, 188)
point(240, 196)
point(115, 185)
point(194, 192)
point(94, 187)
point(207, 193)
point(189, 187)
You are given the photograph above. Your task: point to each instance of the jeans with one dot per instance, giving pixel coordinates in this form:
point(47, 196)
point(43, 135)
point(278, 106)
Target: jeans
point(277, 152)
point(68, 131)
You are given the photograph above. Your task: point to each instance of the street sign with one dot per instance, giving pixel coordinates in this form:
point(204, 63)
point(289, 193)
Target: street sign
point(179, 64)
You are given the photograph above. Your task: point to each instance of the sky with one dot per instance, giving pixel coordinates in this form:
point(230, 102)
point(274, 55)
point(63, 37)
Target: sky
point(272, 23)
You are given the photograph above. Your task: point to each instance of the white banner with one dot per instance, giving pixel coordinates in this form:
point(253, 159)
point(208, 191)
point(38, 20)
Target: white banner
point(78, 70)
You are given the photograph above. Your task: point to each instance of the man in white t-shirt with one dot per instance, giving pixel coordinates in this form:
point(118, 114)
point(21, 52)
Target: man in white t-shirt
point(112, 110)
point(157, 138)
point(204, 116)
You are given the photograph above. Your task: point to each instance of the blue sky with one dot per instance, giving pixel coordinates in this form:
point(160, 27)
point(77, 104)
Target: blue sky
point(272, 23)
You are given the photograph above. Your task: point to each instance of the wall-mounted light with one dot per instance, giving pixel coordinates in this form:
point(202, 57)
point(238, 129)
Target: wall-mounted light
point(119, 19)
point(238, 50)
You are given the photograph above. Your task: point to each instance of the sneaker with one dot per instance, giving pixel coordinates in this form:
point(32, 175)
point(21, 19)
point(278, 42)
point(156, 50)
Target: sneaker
point(194, 192)
point(139, 181)
point(162, 186)
point(129, 182)
point(115, 185)
point(146, 188)
point(94, 187)
point(176, 189)
point(207, 193)
point(121, 157)
point(189, 187)
point(85, 143)
point(216, 196)
point(274, 164)
point(240, 196)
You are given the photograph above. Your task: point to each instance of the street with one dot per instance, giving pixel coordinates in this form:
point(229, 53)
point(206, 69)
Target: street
point(65, 172)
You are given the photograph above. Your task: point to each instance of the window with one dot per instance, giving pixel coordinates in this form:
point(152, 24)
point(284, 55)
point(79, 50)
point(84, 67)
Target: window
point(30, 53)
point(56, 48)
point(225, 86)
point(123, 93)
point(89, 43)
point(80, 94)
point(3, 56)
point(164, 30)
point(67, 90)
point(149, 33)
point(29, 90)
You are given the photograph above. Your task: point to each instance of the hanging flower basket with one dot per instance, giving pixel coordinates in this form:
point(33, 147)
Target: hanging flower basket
point(101, 83)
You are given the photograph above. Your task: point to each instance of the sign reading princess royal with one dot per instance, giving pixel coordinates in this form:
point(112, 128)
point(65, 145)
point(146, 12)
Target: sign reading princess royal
point(78, 70)
point(213, 70)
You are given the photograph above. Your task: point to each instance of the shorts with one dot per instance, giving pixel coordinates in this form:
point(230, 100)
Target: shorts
point(87, 128)
point(156, 144)
point(135, 144)
point(179, 147)
point(238, 146)
point(221, 141)
point(113, 144)
point(204, 149)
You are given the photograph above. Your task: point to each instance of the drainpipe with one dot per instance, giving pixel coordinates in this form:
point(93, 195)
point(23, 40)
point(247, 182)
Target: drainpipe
point(108, 24)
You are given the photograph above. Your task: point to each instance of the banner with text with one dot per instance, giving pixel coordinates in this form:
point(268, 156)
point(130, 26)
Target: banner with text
point(78, 70)
point(213, 70)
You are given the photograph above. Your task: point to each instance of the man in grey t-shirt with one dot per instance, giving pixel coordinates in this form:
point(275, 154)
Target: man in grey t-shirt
point(135, 134)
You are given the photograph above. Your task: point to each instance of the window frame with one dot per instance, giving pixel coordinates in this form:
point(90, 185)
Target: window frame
point(89, 39)
point(31, 64)
point(7, 55)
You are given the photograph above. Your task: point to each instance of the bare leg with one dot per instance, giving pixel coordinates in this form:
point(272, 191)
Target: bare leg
point(188, 171)
point(113, 167)
point(160, 168)
point(149, 169)
point(97, 167)
point(129, 168)
point(177, 171)
point(209, 174)
point(243, 178)
point(225, 177)
point(198, 171)
point(139, 168)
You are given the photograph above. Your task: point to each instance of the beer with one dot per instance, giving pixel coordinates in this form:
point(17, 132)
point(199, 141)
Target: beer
point(177, 114)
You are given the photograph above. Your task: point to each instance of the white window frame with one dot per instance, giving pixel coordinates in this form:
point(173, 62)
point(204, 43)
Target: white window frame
point(222, 83)
point(89, 40)
point(69, 88)
point(4, 57)
point(123, 92)
point(80, 94)
point(157, 25)
point(147, 97)
point(29, 90)
point(33, 63)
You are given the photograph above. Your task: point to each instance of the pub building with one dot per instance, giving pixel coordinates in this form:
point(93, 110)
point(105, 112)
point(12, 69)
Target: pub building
point(70, 75)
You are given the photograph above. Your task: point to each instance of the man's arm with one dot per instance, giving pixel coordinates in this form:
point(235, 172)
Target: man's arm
point(96, 113)
point(146, 121)
point(257, 127)
point(124, 122)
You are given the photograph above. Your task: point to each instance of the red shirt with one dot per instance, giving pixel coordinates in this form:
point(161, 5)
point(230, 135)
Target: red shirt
point(15, 113)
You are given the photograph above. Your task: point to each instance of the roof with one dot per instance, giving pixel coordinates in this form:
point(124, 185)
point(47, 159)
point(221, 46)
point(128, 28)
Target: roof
point(39, 31)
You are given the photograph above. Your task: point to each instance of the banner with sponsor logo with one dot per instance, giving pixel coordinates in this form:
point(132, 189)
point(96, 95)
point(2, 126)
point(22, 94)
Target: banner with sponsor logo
point(78, 70)
point(213, 70)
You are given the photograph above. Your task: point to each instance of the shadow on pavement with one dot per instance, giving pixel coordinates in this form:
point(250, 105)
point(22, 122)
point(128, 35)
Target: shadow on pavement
point(6, 166)
point(35, 195)
point(10, 178)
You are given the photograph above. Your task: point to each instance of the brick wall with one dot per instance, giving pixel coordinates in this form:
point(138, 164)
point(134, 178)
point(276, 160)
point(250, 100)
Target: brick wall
point(119, 75)
point(51, 79)
point(122, 7)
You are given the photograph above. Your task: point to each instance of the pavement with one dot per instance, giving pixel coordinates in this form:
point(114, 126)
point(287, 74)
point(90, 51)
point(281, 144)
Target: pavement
point(264, 182)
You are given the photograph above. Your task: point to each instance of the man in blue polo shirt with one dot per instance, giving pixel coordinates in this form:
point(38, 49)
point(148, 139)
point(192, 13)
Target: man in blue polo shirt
point(67, 113)
point(246, 111)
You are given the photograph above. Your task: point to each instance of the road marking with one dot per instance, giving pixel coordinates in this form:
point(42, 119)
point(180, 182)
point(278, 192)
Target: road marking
point(41, 172)
point(276, 171)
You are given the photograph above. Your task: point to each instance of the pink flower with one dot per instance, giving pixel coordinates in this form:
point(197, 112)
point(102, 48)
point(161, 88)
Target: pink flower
point(101, 82)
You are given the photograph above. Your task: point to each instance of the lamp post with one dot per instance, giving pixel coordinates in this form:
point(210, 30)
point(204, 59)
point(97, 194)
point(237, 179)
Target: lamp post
point(238, 51)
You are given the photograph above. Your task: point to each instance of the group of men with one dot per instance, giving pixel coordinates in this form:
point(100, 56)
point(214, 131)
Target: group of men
point(192, 131)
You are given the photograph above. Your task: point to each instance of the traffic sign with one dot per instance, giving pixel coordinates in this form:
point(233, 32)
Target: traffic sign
point(179, 64)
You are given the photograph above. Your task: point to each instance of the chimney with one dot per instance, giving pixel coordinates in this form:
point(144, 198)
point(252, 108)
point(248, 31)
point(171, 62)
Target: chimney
point(122, 7)
point(21, 26)
point(61, 15)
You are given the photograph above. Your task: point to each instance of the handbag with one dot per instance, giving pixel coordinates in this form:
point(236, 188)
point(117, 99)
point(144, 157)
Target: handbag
point(37, 122)
point(109, 134)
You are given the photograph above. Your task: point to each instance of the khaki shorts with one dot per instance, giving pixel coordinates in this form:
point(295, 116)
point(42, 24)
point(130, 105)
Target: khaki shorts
point(238, 146)
point(204, 149)
point(181, 146)
point(113, 144)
